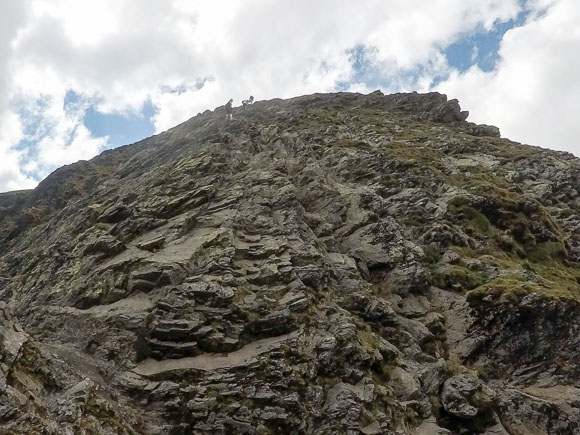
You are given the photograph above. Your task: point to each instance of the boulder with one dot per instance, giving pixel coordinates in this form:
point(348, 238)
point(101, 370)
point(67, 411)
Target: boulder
point(465, 396)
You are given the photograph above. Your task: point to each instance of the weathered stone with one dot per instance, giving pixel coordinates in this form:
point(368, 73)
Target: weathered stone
point(12, 339)
point(332, 263)
point(371, 308)
point(140, 285)
point(432, 376)
point(406, 385)
point(104, 244)
point(465, 396)
point(152, 244)
point(484, 130)
point(430, 427)
point(209, 293)
point(114, 214)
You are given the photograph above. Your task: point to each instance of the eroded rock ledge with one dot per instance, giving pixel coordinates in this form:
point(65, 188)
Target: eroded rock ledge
point(333, 263)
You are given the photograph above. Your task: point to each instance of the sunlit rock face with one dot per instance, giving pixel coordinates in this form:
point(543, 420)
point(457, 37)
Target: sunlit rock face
point(333, 263)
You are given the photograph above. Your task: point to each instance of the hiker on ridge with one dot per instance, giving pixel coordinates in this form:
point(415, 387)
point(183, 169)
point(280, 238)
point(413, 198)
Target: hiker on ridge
point(248, 102)
point(229, 109)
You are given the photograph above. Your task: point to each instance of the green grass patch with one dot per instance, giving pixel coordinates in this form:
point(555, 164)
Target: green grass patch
point(455, 277)
point(518, 277)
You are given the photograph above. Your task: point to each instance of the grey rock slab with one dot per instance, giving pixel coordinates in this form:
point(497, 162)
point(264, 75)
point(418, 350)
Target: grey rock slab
point(373, 428)
point(473, 160)
point(406, 385)
point(151, 244)
point(465, 396)
point(429, 427)
point(208, 362)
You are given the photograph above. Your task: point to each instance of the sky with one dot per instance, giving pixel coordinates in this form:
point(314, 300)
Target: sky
point(81, 76)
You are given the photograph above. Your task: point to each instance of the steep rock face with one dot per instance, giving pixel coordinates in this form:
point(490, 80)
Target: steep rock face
point(327, 264)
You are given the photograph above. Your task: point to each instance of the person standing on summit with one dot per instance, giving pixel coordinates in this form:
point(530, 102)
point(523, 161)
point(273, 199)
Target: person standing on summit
point(248, 102)
point(229, 109)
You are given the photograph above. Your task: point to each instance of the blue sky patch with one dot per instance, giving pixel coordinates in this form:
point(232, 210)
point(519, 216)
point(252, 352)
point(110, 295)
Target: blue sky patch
point(478, 48)
point(364, 68)
point(122, 130)
point(481, 48)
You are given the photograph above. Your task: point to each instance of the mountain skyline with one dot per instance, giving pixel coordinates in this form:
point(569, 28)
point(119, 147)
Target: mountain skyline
point(80, 77)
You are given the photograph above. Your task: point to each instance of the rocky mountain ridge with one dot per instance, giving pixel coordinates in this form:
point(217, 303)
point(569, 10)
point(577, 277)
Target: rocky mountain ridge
point(333, 263)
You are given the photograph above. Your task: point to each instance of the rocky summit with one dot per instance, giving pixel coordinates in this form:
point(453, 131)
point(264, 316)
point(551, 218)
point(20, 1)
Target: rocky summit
point(328, 264)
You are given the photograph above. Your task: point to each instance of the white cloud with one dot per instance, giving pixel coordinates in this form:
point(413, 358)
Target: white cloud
point(11, 175)
point(65, 139)
point(273, 49)
point(534, 92)
point(188, 56)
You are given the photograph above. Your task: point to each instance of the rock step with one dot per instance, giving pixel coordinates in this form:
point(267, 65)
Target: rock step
point(212, 361)
point(178, 324)
point(168, 349)
point(170, 334)
point(152, 244)
point(174, 329)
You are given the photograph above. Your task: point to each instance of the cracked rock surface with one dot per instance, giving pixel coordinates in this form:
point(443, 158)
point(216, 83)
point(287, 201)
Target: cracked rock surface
point(333, 263)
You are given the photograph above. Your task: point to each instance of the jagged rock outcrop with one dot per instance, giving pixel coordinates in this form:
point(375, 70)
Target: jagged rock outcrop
point(333, 263)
